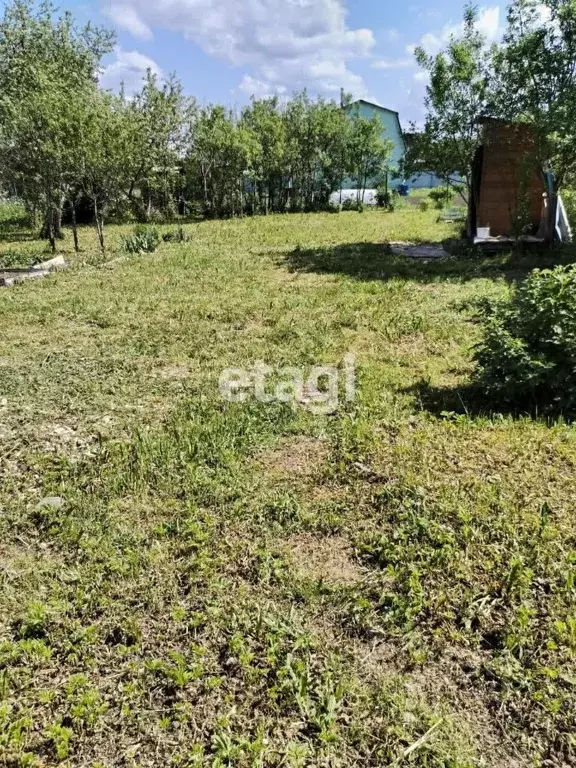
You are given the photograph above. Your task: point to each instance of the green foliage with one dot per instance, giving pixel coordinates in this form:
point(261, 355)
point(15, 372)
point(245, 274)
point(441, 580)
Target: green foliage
point(13, 213)
point(528, 355)
point(569, 199)
point(442, 197)
point(18, 259)
point(535, 72)
point(153, 156)
point(384, 197)
point(144, 240)
point(279, 156)
point(368, 152)
point(48, 74)
point(457, 95)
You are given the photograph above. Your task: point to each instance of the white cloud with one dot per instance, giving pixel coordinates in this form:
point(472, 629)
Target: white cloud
point(394, 63)
point(127, 18)
point(287, 43)
point(128, 68)
point(260, 88)
point(422, 77)
point(488, 23)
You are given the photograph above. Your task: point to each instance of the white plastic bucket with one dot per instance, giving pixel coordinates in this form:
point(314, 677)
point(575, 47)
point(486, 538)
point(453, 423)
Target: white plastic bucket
point(483, 232)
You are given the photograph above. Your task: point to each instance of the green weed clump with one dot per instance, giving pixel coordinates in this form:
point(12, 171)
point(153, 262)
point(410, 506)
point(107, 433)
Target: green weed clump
point(144, 240)
point(528, 355)
point(14, 259)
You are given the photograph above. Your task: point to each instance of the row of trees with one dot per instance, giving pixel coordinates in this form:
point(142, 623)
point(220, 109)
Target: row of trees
point(66, 144)
point(528, 77)
point(280, 156)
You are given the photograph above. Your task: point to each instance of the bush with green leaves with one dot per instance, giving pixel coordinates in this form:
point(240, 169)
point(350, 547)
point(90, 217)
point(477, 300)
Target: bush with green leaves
point(527, 358)
point(383, 197)
point(441, 197)
point(143, 240)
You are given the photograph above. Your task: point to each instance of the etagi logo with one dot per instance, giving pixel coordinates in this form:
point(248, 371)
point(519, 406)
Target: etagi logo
point(321, 391)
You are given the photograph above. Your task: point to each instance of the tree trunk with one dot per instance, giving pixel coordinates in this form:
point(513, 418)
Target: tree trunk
point(51, 235)
point(101, 231)
point(58, 220)
point(99, 221)
point(52, 223)
point(75, 227)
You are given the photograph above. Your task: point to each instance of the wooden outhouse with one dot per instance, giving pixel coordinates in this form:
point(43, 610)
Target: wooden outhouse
point(510, 191)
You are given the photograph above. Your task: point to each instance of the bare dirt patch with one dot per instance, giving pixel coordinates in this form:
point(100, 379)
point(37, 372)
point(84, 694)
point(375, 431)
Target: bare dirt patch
point(297, 457)
point(327, 559)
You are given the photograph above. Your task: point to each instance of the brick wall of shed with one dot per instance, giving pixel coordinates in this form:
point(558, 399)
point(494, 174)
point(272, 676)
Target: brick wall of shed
point(507, 153)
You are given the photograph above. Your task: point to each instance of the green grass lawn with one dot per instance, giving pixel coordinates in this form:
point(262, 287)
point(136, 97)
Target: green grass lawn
point(253, 584)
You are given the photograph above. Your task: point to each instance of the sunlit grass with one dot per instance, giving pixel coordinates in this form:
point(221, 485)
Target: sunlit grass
point(166, 606)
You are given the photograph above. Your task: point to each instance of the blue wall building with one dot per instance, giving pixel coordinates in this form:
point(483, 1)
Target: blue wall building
point(392, 130)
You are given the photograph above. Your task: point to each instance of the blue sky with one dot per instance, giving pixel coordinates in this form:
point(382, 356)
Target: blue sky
point(227, 50)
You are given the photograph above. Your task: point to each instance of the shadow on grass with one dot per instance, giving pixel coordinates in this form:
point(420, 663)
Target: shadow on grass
point(374, 261)
point(468, 400)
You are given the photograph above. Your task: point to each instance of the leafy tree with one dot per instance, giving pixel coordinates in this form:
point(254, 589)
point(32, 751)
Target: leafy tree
point(221, 155)
point(318, 152)
point(47, 68)
point(264, 120)
point(107, 130)
point(334, 135)
point(368, 151)
point(536, 75)
point(536, 66)
point(156, 118)
point(457, 96)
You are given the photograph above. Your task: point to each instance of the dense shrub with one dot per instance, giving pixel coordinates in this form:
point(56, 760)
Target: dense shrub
point(144, 240)
point(528, 355)
point(383, 197)
point(441, 197)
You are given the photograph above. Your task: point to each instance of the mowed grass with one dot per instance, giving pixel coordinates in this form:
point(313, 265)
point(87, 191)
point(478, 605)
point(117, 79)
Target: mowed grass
point(187, 582)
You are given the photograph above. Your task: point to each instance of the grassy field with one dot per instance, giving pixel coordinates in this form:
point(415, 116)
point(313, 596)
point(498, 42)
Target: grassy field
point(188, 582)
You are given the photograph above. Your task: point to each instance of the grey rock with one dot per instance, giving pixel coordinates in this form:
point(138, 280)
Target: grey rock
point(52, 265)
